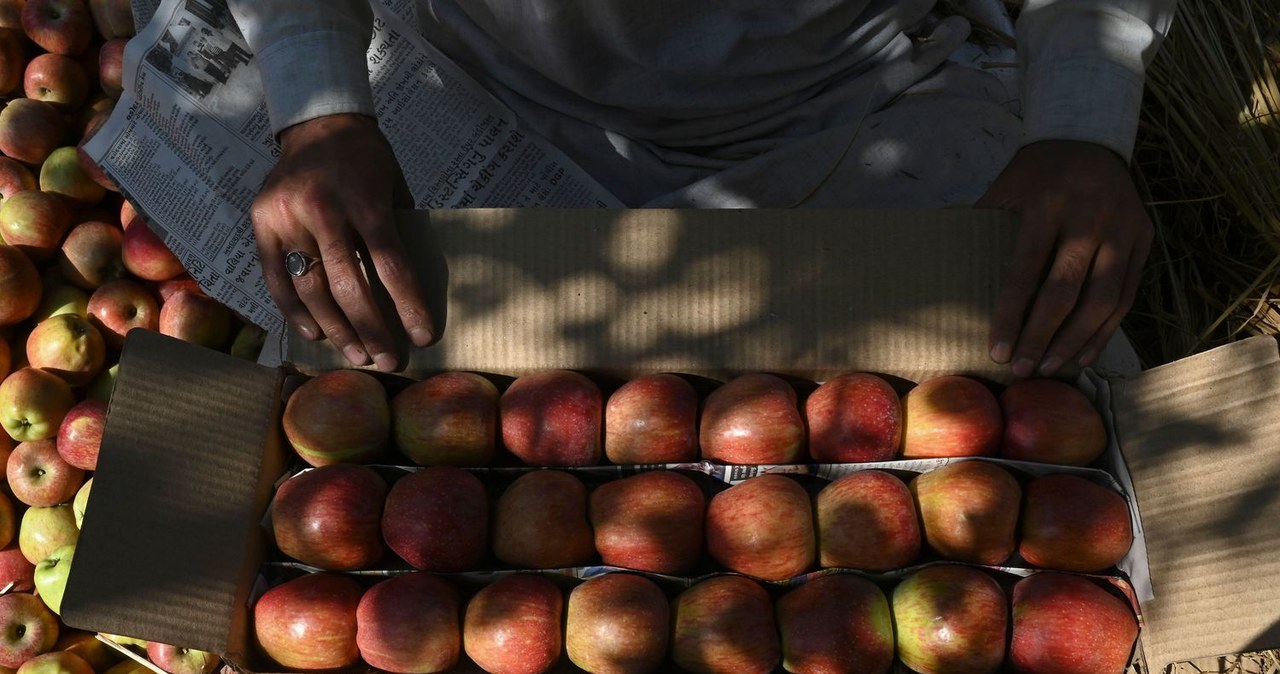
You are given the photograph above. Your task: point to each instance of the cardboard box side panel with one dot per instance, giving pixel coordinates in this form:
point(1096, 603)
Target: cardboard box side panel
point(1200, 439)
point(806, 293)
point(171, 536)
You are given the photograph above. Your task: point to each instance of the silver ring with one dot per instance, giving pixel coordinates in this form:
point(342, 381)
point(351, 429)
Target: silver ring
point(298, 263)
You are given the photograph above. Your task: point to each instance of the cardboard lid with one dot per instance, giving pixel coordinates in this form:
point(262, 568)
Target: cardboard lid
point(198, 418)
point(802, 292)
point(1200, 437)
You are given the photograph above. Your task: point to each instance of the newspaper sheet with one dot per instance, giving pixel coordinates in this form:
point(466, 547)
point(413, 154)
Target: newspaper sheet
point(190, 142)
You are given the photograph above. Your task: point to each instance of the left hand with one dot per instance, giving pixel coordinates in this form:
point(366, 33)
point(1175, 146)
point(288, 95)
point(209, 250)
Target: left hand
point(1083, 237)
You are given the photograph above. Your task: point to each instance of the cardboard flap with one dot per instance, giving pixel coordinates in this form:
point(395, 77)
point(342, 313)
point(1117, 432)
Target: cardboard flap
point(809, 293)
point(1201, 439)
point(171, 559)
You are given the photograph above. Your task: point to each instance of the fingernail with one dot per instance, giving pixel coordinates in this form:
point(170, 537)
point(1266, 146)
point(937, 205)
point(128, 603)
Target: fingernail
point(306, 332)
point(1023, 368)
point(356, 355)
point(421, 336)
point(1050, 365)
point(385, 362)
point(1001, 352)
point(1087, 358)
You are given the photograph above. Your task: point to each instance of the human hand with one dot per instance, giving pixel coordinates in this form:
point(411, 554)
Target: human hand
point(1077, 260)
point(332, 193)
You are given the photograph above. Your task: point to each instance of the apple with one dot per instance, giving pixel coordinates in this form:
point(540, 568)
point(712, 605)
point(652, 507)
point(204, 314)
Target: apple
point(618, 622)
point(338, 416)
point(27, 628)
point(80, 434)
point(179, 660)
point(437, 518)
point(87, 164)
point(61, 174)
point(17, 573)
point(1065, 624)
point(449, 419)
point(950, 415)
point(409, 624)
point(331, 517)
point(146, 256)
point(112, 18)
point(56, 79)
point(128, 666)
point(30, 130)
point(552, 418)
point(102, 385)
point(969, 511)
point(855, 417)
point(119, 306)
point(51, 576)
point(512, 626)
point(20, 286)
point(61, 298)
point(111, 66)
point(839, 623)
point(309, 622)
point(752, 419)
point(652, 419)
point(34, 221)
point(724, 625)
point(45, 529)
point(951, 618)
point(12, 58)
point(81, 502)
point(1050, 421)
point(33, 403)
point(169, 287)
point(1070, 523)
point(867, 521)
point(651, 521)
point(133, 644)
point(39, 476)
point(69, 346)
point(58, 26)
point(56, 662)
point(128, 214)
point(99, 655)
point(248, 343)
point(762, 527)
point(198, 319)
point(540, 522)
point(14, 175)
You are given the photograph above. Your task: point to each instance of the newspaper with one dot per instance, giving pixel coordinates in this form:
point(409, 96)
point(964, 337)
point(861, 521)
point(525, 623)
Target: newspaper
point(190, 142)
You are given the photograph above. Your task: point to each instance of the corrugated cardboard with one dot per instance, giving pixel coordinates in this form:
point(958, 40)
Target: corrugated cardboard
point(706, 292)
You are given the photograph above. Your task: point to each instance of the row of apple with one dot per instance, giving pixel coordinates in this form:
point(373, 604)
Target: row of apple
point(562, 418)
point(345, 517)
point(940, 618)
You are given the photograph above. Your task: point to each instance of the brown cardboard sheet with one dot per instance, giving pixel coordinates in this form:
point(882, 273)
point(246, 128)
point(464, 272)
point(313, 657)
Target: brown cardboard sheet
point(1202, 440)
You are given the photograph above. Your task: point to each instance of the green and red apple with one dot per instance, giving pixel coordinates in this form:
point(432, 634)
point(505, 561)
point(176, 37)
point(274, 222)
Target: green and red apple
point(752, 419)
point(540, 522)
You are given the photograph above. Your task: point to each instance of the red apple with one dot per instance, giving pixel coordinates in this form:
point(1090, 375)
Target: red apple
point(44, 529)
point(38, 475)
point(30, 130)
point(35, 222)
point(128, 214)
point(512, 626)
point(14, 175)
point(61, 174)
point(552, 418)
point(1073, 524)
point(338, 416)
point(969, 511)
point(750, 420)
point(17, 573)
point(80, 434)
point(1049, 421)
point(652, 521)
point(855, 417)
point(27, 628)
point(56, 662)
point(867, 521)
point(90, 254)
point(69, 346)
point(437, 518)
point(409, 625)
point(33, 403)
point(179, 660)
point(113, 18)
point(618, 622)
point(762, 527)
point(56, 79)
point(540, 522)
point(310, 622)
point(111, 66)
point(12, 59)
point(951, 618)
point(1065, 624)
point(146, 255)
point(652, 419)
point(119, 306)
point(331, 517)
point(198, 319)
point(951, 415)
point(183, 282)
point(20, 286)
point(724, 625)
point(449, 419)
point(839, 624)
point(58, 26)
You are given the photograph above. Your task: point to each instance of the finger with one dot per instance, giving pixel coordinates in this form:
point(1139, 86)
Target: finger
point(1031, 254)
point(271, 256)
point(386, 252)
point(313, 288)
point(350, 290)
point(1093, 348)
point(1056, 299)
point(1097, 304)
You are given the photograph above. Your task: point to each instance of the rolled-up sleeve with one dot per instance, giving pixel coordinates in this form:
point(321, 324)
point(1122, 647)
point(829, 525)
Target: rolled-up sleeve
point(1084, 64)
point(312, 55)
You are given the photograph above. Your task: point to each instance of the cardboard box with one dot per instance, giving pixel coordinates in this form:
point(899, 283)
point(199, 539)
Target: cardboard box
point(191, 451)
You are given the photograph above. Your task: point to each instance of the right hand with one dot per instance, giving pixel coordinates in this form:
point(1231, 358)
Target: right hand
point(333, 191)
